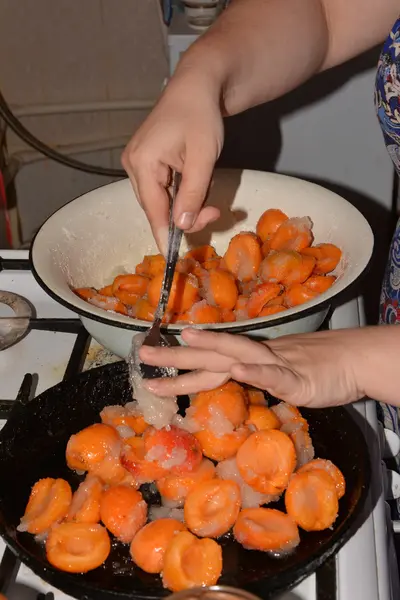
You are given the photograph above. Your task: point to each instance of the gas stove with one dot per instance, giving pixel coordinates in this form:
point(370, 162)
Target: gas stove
point(365, 568)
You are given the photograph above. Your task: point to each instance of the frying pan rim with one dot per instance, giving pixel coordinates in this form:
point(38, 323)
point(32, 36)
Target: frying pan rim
point(291, 577)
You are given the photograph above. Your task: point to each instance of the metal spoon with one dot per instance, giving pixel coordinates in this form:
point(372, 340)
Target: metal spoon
point(154, 336)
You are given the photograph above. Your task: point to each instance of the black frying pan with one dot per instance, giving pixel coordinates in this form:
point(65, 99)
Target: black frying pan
point(32, 445)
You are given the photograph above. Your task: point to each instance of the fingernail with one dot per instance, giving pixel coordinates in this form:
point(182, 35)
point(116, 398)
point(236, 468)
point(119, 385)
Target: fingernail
point(186, 220)
point(146, 351)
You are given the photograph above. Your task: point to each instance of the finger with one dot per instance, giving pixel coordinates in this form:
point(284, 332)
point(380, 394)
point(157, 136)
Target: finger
point(190, 383)
point(207, 215)
point(196, 176)
point(129, 172)
point(186, 358)
point(238, 347)
point(279, 381)
point(155, 201)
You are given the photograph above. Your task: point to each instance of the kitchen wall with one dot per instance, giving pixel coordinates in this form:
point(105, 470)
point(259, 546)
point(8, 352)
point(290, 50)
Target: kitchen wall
point(57, 52)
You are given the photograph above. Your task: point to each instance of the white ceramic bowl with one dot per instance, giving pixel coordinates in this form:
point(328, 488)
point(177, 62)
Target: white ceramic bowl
point(104, 232)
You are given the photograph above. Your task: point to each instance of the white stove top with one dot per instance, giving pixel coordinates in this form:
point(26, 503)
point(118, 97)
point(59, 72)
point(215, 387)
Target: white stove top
point(363, 568)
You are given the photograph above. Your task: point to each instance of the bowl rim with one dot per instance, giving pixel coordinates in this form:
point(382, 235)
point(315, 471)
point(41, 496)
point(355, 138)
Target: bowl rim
point(320, 304)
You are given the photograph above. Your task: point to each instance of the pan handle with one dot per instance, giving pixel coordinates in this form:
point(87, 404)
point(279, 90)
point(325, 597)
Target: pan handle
point(23, 397)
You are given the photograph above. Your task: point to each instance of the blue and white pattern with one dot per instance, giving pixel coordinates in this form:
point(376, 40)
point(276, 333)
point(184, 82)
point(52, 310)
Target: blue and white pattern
point(387, 101)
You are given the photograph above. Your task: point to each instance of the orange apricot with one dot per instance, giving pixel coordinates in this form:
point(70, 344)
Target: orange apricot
point(286, 267)
point(331, 469)
point(180, 318)
point(243, 256)
point(228, 316)
point(175, 488)
point(132, 283)
point(85, 293)
point(190, 562)
point(111, 472)
point(123, 511)
point(293, 234)
point(269, 222)
point(320, 283)
point(201, 254)
point(188, 265)
point(48, 504)
point(267, 311)
point(262, 417)
point(266, 460)
point(151, 265)
point(221, 289)
point(262, 294)
point(85, 505)
point(202, 313)
point(144, 310)
point(241, 313)
point(326, 255)
point(298, 294)
point(134, 460)
point(77, 547)
point(311, 500)
point(127, 298)
point(107, 290)
point(119, 416)
point(266, 247)
point(221, 447)
point(108, 303)
point(150, 543)
point(91, 446)
point(175, 449)
point(212, 507)
point(184, 292)
point(266, 529)
point(226, 403)
point(213, 263)
point(277, 301)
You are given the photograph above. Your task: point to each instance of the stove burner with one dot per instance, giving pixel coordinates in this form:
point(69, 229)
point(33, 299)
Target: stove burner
point(12, 329)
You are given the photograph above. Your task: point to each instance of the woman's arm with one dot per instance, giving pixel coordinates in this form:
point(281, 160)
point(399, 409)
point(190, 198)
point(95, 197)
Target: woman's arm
point(256, 51)
point(320, 369)
point(260, 49)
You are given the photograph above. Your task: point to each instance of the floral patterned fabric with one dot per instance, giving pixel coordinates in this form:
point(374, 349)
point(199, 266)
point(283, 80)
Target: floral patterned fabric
point(387, 101)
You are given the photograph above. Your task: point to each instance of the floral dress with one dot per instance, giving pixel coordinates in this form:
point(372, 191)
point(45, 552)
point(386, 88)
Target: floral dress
point(387, 101)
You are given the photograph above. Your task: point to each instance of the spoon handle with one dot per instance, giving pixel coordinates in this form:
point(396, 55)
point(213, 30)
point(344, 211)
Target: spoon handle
point(174, 243)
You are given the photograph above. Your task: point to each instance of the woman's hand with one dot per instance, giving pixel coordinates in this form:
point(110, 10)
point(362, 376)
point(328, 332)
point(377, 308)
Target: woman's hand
point(319, 369)
point(184, 132)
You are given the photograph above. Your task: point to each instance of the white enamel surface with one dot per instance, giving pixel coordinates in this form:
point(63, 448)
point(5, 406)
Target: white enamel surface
point(103, 233)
